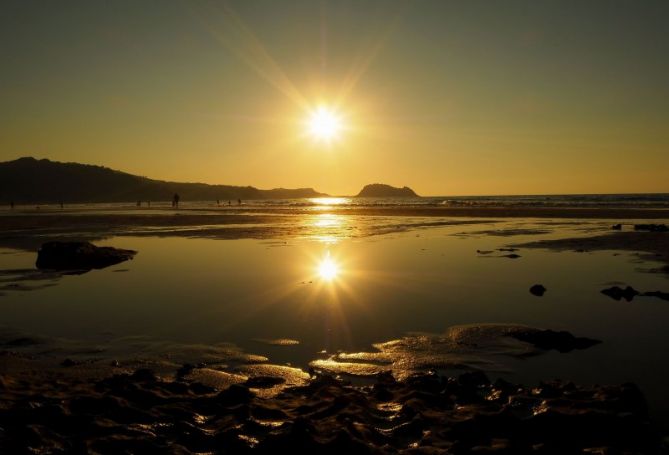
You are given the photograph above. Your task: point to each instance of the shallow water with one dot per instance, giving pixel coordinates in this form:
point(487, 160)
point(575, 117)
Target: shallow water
point(333, 291)
point(648, 200)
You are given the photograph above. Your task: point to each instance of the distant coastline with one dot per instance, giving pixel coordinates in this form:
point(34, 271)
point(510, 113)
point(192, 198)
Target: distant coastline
point(41, 181)
point(30, 181)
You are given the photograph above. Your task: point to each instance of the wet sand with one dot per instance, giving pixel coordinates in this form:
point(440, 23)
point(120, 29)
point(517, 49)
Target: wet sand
point(143, 413)
point(99, 406)
point(26, 229)
point(191, 405)
point(652, 246)
point(227, 214)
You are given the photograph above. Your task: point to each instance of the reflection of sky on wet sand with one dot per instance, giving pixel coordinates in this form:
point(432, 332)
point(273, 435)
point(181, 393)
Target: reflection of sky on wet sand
point(207, 292)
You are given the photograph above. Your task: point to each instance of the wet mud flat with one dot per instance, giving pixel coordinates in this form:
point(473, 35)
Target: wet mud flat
point(29, 231)
point(653, 246)
point(140, 412)
point(394, 401)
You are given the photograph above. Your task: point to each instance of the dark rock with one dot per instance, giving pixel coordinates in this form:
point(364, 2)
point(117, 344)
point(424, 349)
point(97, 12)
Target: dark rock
point(68, 363)
point(268, 413)
point(201, 389)
point(511, 256)
point(424, 382)
point(196, 439)
point(79, 256)
point(651, 227)
point(617, 227)
point(264, 382)
point(537, 290)
point(561, 341)
point(464, 415)
point(23, 341)
point(143, 375)
point(233, 395)
point(658, 294)
point(618, 293)
point(185, 370)
point(94, 405)
point(229, 438)
point(473, 379)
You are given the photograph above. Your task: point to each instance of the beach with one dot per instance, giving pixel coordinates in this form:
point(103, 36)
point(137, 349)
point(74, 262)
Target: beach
point(224, 334)
point(334, 227)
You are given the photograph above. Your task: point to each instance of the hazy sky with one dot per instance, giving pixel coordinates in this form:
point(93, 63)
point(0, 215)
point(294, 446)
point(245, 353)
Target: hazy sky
point(467, 97)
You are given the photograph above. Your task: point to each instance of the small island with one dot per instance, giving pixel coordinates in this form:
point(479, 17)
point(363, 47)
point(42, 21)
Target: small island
point(382, 190)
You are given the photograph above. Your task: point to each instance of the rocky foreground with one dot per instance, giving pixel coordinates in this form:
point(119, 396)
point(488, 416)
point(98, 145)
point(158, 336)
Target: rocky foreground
point(144, 413)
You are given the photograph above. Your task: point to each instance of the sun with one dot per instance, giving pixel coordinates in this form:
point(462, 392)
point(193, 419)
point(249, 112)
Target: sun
point(324, 124)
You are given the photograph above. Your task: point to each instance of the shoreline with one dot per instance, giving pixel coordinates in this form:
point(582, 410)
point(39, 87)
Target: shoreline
point(213, 213)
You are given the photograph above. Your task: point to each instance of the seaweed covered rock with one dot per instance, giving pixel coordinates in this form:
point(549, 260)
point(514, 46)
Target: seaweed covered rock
point(618, 293)
point(79, 256)
point(629, 293)
point(651, 227)
point(538, 290)
point(561, 341)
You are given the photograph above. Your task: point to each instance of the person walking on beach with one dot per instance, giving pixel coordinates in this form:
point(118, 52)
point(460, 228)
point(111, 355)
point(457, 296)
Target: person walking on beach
point(175, 201)
point(239, 202)
point(11, 205)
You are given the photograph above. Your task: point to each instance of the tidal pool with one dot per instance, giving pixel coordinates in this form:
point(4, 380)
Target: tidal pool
point(332, 295)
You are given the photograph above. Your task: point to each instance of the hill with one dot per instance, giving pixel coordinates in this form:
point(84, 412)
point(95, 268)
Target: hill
point(28, 180)
point(382, 190)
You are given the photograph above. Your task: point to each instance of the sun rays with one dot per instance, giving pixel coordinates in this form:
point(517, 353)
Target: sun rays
point(325, 123)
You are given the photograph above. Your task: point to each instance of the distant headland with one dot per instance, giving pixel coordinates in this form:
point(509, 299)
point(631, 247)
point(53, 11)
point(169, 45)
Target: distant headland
point(382, 190)
point(39, 181)
point(29, 180)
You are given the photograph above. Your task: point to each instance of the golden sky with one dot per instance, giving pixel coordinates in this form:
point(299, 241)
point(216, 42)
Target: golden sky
point(449, 98)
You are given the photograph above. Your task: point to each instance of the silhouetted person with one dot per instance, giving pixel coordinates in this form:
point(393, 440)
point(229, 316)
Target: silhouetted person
point(175, 201)
point(139, 203)
point(239, 202)
point(11, 205)
point(229, 202)
point(218, 202)
point(61, 205)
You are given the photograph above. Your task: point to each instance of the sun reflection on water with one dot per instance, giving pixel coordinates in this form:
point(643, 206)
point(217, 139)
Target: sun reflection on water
point(325, 202)
point(328, 220)
point(328, 228)
point(328, 268)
